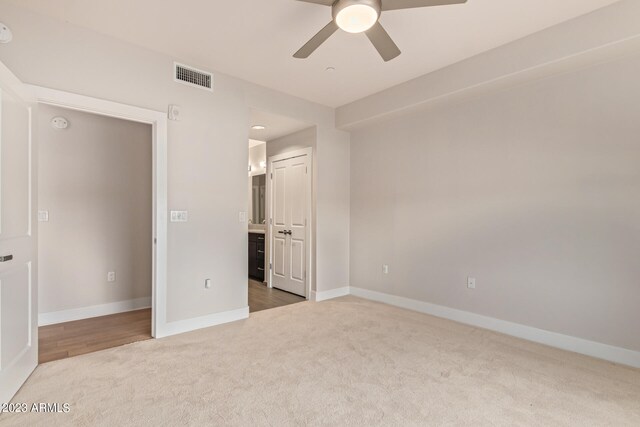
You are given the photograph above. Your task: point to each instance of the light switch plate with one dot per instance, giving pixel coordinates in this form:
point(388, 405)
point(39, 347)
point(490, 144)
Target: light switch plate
point(242, 217)
point(471, 282)
point(43, 216)
point(179, 216)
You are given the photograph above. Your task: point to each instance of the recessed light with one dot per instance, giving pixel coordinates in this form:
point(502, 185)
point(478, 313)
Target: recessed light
point(258, 127)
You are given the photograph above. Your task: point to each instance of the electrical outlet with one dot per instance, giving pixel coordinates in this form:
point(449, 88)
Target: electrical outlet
point(242, 217)
point(207, 284)
point(471, 282)
point(385, 269)
point(111, 276)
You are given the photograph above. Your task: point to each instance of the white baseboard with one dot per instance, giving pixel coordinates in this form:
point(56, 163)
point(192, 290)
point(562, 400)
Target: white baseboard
point(330, 294)
point(553, 339)
point(93, 311)
point(188, 325)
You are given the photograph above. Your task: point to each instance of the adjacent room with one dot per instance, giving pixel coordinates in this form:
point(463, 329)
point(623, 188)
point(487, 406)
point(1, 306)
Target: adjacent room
point(281, 210)
point(320, 212)
point(94, 240)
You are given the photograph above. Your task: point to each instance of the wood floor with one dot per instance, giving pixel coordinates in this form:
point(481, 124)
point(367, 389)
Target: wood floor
point(263, 298)
point(88, 335)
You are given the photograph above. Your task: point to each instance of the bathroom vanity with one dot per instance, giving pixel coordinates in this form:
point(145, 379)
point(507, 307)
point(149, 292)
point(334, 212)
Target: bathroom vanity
point(256, 255)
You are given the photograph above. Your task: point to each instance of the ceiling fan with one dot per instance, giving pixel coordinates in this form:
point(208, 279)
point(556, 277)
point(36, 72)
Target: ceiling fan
point(362, 16)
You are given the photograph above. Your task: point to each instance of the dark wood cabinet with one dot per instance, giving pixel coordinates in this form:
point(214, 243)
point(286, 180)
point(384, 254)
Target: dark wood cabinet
point(256, 256)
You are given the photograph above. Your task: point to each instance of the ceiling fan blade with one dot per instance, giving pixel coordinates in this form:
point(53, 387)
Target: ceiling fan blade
point(409, 4)
point(316, 41)
point(322, 2)
point(382, 42)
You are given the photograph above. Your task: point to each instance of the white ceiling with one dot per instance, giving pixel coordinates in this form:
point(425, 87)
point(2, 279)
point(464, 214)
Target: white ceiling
point(276, 126)
point(254, 39)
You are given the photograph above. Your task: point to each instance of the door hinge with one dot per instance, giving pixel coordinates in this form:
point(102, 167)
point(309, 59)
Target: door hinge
point(306, 169)
point(269, 266)
point(270, 221)
point(271, 175)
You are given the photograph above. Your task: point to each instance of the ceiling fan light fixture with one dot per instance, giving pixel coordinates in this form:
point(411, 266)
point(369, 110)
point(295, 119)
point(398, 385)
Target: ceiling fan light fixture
point(357, 18)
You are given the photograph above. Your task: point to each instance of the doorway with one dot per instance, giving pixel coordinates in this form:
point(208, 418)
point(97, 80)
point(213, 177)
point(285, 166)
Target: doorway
point(158, 122)
point(95, 202)
point(289, 188)
point(261, 296)
point(281, 213)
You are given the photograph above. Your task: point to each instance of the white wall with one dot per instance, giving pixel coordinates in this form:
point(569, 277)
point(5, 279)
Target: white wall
point(207, 153)
point(94, 179)
point(533, 190)
point(306, 138)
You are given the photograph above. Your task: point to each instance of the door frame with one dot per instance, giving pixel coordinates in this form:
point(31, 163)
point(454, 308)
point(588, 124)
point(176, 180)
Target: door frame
point(308, 235)
point(158, 122)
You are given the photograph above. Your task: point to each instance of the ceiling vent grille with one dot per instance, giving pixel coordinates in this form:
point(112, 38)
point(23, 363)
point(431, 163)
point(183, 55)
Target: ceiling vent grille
point(193, 77)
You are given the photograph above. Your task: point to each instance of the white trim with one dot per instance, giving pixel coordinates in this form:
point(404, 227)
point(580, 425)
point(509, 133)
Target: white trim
point(330, 294)
point(309, 235)
point(553, 339)
point(187, 325)
point(158, 121)
point(62, 316)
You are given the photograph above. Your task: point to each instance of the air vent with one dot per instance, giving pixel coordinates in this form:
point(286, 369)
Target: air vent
point(193, 77)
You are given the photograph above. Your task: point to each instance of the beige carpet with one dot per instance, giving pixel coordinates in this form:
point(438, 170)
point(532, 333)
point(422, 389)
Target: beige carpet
point(335, 363)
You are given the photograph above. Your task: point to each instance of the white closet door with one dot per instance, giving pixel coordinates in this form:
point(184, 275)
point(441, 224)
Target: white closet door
point(289, 229)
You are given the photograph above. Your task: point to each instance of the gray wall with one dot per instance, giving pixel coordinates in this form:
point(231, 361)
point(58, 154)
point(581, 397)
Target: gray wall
point(535, 191)
point(94, 178)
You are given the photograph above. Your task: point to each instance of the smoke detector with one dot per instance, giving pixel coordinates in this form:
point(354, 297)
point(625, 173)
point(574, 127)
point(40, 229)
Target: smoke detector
point(59, 123)
point(5, 34)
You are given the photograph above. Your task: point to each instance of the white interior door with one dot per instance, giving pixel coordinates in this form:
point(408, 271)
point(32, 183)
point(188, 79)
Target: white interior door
point(18, 292)
point(289, 211)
